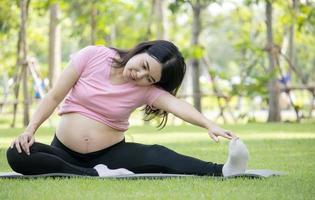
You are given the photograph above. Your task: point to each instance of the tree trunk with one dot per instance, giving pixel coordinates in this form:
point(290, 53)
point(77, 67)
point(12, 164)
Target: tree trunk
point(291, 51)
point(150, 19)
point(54, 45)
point(195, 62)
point(160, 21)
point(17, 78)
point(273, 84)
point(24, 11)
point(21, 49)
point(26, 101)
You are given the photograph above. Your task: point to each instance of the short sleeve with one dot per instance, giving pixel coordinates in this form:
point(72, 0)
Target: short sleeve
point(80, 59)
point(152, 94)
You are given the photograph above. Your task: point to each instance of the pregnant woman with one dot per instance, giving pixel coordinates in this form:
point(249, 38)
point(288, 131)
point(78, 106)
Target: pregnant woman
point(98, 91)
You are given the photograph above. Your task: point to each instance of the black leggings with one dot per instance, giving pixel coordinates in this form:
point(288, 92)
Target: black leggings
point(138, 158)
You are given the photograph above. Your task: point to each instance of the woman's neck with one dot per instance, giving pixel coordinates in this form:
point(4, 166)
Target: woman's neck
point(116, 75)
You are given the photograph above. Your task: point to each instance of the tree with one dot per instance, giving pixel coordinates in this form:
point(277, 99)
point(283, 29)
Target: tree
point(291, 51)
point(197, 6)
point(54, 44)
point(156, 18)
point(196, 29)
point(273, 84)
point(23, 64)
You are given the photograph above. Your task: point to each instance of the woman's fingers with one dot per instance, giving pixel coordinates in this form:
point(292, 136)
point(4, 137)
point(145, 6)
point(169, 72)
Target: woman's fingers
point(228, 134)
point(25, 147)
point(214, 137)
point(12, 144)
point(224, 134)
point(232, 135)
point(31, 142)
point(17, 145)
point(22, 143)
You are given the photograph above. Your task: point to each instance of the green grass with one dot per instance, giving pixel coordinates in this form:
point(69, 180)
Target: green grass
point(283, 147)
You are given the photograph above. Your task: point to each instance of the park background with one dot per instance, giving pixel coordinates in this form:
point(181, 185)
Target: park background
point(250, 67)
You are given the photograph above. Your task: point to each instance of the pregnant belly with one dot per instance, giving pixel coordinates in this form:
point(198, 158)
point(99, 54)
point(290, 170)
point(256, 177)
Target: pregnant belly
point(85, 135)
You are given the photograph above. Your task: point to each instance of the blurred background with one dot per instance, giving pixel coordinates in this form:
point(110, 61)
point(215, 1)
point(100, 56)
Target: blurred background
point(247, 60)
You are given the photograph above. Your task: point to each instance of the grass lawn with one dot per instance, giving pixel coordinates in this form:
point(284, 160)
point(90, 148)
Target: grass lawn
point(283, 147)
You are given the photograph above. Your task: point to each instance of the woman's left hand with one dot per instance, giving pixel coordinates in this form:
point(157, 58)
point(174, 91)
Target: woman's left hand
point(216, 131)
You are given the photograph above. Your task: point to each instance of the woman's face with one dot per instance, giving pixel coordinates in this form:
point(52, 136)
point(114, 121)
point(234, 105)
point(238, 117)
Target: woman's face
point(143, 70)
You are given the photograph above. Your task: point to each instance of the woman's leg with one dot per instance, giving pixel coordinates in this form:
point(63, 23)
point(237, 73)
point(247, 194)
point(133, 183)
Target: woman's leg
point(140, 158)
point(45, 159)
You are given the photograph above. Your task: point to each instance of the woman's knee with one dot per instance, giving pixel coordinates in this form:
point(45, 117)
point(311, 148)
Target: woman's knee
point(16, 160)
point(14, 157)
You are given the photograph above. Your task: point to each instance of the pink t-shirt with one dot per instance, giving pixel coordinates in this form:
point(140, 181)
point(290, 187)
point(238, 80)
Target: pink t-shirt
point(95, 97)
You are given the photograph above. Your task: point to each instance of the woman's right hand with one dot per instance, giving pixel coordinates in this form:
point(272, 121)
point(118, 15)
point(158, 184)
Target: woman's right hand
point(24, 141)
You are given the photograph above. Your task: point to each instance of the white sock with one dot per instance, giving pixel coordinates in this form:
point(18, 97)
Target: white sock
point(237, 158)
point(103, 171)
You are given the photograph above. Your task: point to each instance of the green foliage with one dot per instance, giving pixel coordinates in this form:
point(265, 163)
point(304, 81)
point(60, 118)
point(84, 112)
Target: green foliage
point(174, 6)
point(9, 23)
point(306, 17)
point(196, 51)
point(252, 86)
point(9, 10)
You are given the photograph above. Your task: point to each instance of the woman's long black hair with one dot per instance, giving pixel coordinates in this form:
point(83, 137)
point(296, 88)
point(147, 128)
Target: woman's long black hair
point(173, 70)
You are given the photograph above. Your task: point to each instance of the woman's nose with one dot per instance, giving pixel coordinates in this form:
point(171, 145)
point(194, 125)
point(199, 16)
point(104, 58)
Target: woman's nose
point(142, 74)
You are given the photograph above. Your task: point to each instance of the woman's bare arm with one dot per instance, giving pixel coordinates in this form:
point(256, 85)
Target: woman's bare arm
point(45, 108)
point(188, 113)
point(51, 100)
